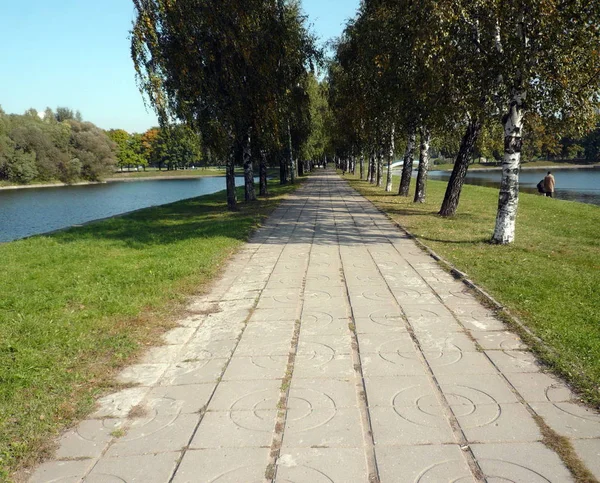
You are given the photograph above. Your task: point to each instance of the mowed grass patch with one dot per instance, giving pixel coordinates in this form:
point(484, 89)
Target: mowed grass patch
point(549, 278)
point(77, 305)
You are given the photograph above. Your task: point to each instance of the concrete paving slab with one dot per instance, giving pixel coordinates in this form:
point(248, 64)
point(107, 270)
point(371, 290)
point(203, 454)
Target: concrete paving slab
point(157, 433)
point(589, 451)
point(375, 310)
point(400, 391)
point(423, 464)
point(455, 362)
point(435, 341)
point(118, 405)
point(569, 419)
point(392, 364)
point(321, 465)
point(407, 426)
point(88, 440)
point(332, 427)
point(324, 365)
point(153, 468)
point(311, 394)
point(268, 345)
point(256, 367)
point(61, 471)
point(246, 395)
point(317, 323)
point(235, 429)
point(496, 423)
point(190, 399)
point(142, 374)
point(476, 389)
point(196, 371)
point(207, 349)
point(540, 387)
point(514, 361)
point(502, 341)
point(310, 346)
point(179, 335)
point(520, 463)
point(380, 325)
point(223, 465)
point(381, 343)
point(167, 354)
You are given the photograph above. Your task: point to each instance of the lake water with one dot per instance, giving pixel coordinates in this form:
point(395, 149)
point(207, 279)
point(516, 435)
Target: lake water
point(31, 211)
point(581, 185)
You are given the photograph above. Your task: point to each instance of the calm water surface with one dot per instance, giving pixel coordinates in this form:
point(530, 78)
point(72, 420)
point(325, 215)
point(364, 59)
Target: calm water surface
point(581, 185)
point(32, 211)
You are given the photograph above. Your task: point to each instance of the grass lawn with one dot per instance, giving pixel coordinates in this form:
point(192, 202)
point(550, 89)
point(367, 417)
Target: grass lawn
point(78, 305)
point(549, 278)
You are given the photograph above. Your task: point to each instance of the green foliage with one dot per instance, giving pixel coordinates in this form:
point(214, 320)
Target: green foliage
point(49, 149)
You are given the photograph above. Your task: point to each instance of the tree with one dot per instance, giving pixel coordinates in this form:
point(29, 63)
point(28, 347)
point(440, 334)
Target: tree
point(211, 65)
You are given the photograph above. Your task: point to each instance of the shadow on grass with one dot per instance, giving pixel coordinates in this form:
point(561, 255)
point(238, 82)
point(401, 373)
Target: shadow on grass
point(197, 218)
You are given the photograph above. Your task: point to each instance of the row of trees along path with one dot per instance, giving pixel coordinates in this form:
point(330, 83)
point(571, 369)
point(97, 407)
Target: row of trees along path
point(403, 72)
point(238, 72)
point(424, 68)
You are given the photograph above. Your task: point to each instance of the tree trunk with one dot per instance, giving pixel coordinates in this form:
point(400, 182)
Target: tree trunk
point(373, 169)
point(407, 168)
point(249, 193)
point(421, 189)
point(461, 165)
point(380, 168)
point(230, 181)
point(390, 159)
point(263, 190)
point(362, 166)
point(300, 168)
point(282, 166)
point(290, 157)
point(508, 199)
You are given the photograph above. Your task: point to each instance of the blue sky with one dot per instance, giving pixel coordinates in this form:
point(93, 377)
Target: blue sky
point(75, 53)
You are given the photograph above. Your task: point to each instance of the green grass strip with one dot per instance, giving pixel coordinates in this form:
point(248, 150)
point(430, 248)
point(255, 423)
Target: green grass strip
point(549, 278)
point(79, 304)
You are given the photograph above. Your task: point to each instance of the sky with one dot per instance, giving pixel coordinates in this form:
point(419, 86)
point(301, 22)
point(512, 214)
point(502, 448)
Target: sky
point(75, 53)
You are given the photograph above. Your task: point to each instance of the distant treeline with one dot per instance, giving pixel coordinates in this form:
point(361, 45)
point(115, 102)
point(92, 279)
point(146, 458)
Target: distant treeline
point(60, 146)
point(175, 147)
point(53, 146)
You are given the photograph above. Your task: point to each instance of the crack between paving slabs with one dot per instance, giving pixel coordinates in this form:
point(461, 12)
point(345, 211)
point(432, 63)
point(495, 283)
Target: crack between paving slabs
point(457, 431)
point(361, 392)
point(280, 422)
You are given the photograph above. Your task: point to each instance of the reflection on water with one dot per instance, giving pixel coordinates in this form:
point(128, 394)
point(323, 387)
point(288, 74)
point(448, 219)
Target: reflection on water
point(581, 185)
point(38, 210)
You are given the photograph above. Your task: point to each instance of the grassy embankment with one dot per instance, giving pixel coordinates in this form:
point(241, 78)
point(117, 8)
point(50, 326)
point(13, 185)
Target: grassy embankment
point(78, 305)
point(549, 278)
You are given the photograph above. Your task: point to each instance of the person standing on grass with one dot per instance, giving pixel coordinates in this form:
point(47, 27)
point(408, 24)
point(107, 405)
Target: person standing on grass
point(549, 184)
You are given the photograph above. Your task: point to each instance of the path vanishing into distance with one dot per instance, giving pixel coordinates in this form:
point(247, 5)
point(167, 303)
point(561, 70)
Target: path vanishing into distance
point(332, 349)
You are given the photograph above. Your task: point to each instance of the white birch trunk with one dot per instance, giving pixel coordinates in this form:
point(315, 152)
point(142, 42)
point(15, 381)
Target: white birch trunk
point(508, 199)
point(390, 158)
point(380, 168)
point(421, 189)
point(362, 166)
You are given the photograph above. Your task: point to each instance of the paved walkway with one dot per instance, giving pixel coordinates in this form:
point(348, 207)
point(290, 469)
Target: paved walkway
point(332, 350)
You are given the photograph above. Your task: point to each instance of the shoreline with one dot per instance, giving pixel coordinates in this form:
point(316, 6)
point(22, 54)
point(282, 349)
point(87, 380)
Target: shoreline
point(533, 168)
point(107, 180)
point(160, 178)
